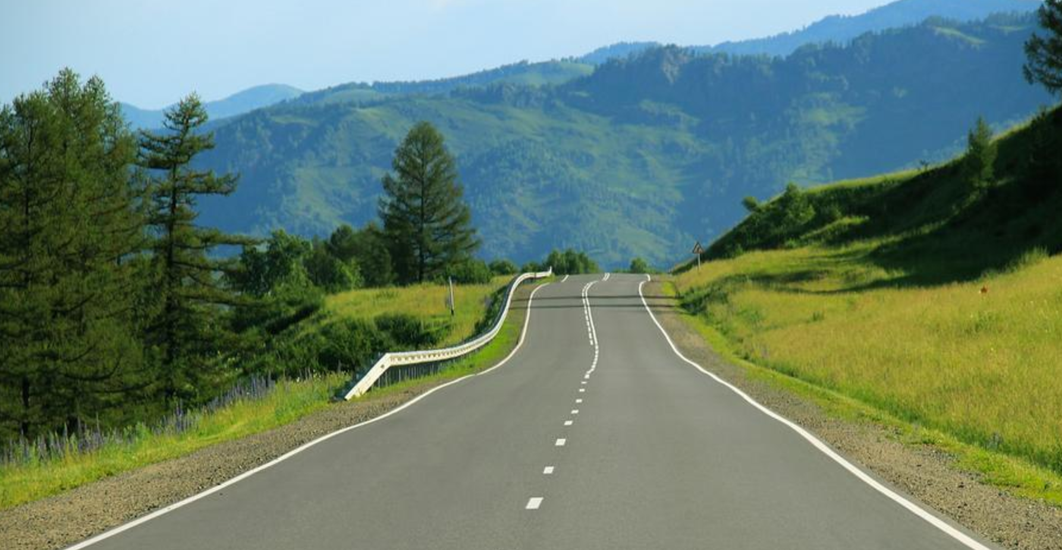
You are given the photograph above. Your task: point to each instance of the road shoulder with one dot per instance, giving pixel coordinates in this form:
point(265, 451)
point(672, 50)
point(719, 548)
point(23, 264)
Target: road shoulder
point(923, 471)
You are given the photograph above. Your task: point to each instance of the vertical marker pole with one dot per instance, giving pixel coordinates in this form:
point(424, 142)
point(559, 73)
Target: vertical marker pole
point(452, 307)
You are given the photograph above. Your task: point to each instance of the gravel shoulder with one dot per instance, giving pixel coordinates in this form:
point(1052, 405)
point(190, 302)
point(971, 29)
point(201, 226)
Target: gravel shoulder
point(76, 515)
point(923, 471)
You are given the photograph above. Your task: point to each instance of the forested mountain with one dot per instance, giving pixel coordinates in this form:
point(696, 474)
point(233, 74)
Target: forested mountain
point(839, 28)
point(523, 73)
point(645, 154)
point(236, 104)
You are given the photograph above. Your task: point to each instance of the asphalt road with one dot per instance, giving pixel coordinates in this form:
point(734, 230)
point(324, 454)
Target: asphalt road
point(555, 450)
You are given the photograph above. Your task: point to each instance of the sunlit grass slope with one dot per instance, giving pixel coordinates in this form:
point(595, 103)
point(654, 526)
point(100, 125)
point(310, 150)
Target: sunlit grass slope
point(916, 293)
point(427, 302)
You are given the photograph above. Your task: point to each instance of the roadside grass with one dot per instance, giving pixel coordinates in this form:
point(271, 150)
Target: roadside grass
point(141, 445)
point(480, 360)
point(34, 477)
point(428, 302)
point(971, 366)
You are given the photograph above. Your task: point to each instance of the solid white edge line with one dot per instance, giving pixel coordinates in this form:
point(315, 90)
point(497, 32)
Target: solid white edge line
point(825, 449)
point(167, 509)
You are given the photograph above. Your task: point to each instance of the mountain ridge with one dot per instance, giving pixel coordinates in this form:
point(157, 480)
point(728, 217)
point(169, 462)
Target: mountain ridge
point(644, 155)
point(241, 102)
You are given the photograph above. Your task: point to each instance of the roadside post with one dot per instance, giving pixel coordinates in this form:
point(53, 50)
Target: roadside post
point(452, 307)
point(697, 251)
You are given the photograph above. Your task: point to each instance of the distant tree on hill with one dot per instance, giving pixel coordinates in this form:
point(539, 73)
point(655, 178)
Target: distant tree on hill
point(186, 335)
point(1045, 52)
point(1043, 169)
point(367, 247)
point(639, 265)
point(750, 203)
point(427, 225)
point(979, 162)
point(570, 262)
point(503, 267)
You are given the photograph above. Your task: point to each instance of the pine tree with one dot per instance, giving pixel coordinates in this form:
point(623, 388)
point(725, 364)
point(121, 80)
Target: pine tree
point(426, 223)
point(69, 231)
point(981, 155)
point(188, 333)
point(1044, 54)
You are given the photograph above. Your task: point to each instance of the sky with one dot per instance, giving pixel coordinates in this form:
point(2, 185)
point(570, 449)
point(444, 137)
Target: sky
point(152, 52)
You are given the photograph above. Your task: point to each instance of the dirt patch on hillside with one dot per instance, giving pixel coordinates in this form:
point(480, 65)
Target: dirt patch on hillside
point(924, 472)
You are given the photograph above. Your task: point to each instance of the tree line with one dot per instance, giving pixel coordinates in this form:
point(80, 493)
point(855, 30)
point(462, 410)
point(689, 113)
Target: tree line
point(115, 303)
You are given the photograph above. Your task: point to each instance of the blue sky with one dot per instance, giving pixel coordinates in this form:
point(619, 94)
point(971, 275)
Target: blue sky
point(152, 52)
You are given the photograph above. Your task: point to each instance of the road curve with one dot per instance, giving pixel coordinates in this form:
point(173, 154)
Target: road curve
point(596, 435)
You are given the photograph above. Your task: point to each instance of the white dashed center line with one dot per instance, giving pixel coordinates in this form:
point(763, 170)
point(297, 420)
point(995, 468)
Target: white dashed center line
point(533, 503)
point(575, 411)
point(577, 401)
point(547, 470)
point(568, 422)
point(560, 442)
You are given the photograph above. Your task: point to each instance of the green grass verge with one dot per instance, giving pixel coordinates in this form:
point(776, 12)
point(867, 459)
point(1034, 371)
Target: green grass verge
point(1015, 474)
point(286, 403)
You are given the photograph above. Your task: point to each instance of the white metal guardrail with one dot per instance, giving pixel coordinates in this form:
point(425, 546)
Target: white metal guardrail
point(401, 358)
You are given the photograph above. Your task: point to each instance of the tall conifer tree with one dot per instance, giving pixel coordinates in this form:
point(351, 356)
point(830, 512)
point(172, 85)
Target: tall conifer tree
point(69, 228)
point(1044, 53)
point(188, 333)
point(426, 224)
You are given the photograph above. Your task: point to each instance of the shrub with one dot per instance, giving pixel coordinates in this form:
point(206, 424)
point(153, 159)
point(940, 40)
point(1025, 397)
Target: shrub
point(639, 265)
point(407, 331)
point(503, 267)
point(470, 272)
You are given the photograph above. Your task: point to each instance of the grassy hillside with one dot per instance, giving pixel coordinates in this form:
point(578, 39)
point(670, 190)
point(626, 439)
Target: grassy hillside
point(427, 302)
point(931, 299)
point(644, 155)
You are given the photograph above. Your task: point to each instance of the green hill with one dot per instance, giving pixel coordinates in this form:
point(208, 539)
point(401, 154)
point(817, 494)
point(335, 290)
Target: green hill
point(523, 73)
point(644, 155)
point(928, 297)
point(931, 224)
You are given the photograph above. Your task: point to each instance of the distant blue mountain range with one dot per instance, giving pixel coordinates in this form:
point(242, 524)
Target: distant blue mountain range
point(236, 104)
point(838, 28)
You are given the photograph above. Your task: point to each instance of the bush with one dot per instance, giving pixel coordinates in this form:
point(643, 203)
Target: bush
point(470, 272)
point(503, 267)
point(406, 331)
point(329, 272)
point(570, 262)
point(532, 267)
point(639, 265)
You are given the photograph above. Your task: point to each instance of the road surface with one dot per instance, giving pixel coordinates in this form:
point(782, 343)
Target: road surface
point(593, 436)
